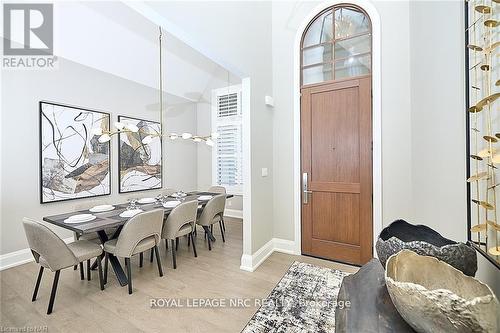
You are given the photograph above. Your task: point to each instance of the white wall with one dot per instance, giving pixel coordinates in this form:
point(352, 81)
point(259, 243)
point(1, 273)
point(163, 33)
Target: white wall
point(396, 137)
point(423, 152)
point(74, 84)
point(240, 34)
point(438, 123)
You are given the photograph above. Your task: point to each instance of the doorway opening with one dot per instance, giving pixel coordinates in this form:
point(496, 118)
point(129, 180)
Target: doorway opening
point(336, 137)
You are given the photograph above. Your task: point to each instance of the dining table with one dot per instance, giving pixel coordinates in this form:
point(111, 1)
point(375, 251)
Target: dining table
point(112, 219)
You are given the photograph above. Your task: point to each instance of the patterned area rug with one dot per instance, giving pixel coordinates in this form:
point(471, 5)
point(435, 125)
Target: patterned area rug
point(303, 301)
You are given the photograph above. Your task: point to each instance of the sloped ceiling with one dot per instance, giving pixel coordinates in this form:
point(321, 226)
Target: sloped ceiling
point(112, 37)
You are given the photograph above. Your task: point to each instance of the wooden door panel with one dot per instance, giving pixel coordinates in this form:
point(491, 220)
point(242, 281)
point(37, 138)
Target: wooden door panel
point(331, 214)
point(336, 156)
point(335, 153)
point(335, 187)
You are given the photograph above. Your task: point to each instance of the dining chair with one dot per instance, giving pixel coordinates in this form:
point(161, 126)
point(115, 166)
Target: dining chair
point(94, 238)
point(180, 222)
point(221, 190)
point(142, 232)
point(217, 189)
point(212, 213)
point(51, 252)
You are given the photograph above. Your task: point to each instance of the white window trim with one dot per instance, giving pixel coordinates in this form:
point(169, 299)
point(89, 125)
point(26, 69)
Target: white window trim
point(235, 190)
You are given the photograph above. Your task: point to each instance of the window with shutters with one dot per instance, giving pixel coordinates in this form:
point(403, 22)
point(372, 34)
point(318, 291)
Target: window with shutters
point(227, 153)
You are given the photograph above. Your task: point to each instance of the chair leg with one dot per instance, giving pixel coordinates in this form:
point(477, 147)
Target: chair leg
point(166, 244)
point(177, 244)
point(141, 259)
point(106, 259)
point(212, 229)
point(160, 270)
point(53, 292)
point(37, 285)
point(75, 267)
point(82, 277)
point(129, 275)
point(99, 268)
point(173, 254)
point(88, 270)
point(189, 239)
point(222, 232)
point(209, 243)
point(151, 256)
point(195, 231)
point(194, 246)
point(223, 225)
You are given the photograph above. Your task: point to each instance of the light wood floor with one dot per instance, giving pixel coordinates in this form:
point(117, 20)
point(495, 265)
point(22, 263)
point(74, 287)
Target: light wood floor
point(81, 307)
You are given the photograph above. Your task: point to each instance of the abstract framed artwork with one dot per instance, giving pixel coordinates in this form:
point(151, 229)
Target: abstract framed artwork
point(73, 163)
point(140, 164)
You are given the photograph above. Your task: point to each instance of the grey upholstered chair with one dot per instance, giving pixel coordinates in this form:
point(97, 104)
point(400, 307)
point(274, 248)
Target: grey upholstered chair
point(94, 238)
point(51, 252)
point(180, 222)
point(212, 213)
point(142, 232)
point(221, 190)
point(217, 189)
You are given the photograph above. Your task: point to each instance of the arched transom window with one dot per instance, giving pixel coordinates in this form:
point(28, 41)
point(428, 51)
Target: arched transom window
point(336, 45)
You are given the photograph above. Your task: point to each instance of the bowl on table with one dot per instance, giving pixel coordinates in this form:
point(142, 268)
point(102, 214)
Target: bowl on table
point(80, 218)
point(171, 204)
point(130, 212)
point(101, 208)
point(144, 201)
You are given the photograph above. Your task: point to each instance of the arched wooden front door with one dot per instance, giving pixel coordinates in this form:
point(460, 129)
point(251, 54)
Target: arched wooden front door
point(336, 136)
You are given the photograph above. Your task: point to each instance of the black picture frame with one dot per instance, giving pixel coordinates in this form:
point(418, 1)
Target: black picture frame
point(40, 150)
point(120, 190)
point(467, 144)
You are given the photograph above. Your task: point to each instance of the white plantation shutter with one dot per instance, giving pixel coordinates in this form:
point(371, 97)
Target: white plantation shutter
point(229, 163)
point(228, 105)
point(227, 153)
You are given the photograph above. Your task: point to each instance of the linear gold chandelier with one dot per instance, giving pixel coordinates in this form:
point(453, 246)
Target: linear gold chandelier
point(123, 127)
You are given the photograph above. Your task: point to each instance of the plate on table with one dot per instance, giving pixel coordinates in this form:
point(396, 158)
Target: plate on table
point(131, 212)
point(178, 195)
point(101, 208)
point(205, 197)
point(171, 204)
point(80, 218)
point(146, 201)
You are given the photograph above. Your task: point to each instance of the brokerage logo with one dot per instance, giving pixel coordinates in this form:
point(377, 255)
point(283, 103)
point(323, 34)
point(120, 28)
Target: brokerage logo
point(28, 36)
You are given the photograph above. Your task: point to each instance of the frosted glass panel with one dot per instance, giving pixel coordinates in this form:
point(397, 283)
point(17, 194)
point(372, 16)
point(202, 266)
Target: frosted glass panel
point(349, 22)
point(316, 55)
point(320, 30)
point(353, 66)
point(317, 74)
point(352, 46)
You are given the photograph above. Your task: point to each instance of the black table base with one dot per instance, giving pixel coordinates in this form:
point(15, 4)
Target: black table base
point(115, 263)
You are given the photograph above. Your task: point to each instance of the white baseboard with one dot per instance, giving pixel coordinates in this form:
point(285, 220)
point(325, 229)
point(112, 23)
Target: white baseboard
point(233, 213)
point(251, 262)
point(20, 257)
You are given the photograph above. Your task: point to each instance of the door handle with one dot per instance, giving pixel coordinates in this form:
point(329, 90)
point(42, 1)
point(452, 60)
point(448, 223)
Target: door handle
point(305, 190)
